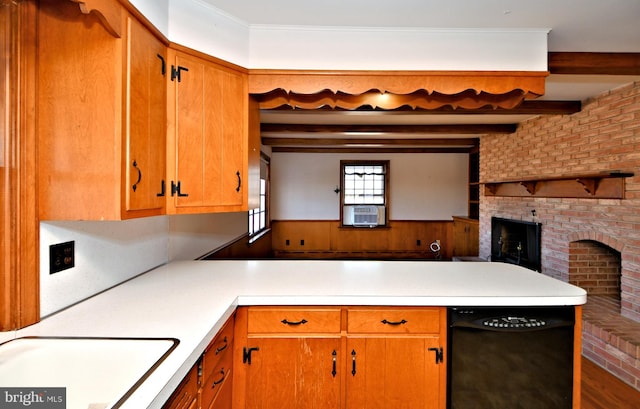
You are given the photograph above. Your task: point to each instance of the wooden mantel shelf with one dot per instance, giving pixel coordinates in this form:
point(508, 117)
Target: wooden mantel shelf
point(607, 185)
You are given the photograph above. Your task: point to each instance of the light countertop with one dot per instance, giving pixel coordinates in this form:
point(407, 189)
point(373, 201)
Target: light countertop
point(191, 300)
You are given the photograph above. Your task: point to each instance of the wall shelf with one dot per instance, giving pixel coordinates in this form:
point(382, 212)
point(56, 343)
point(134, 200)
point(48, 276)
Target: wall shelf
point(606, 185)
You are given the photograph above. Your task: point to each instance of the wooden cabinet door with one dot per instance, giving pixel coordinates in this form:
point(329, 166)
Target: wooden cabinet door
point(100, 108)
point(79, 96)
point(209, 136)
point(233, 139)
point(224, 399)
point(144, 121)
point(186, 395)
point(465, 237)
point(394, 373)
point(294, 373)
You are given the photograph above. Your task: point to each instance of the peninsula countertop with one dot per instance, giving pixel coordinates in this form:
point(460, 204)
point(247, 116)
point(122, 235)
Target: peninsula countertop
point(191, 300)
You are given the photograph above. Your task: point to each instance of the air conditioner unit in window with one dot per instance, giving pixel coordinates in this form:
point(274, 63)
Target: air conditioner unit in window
point(365, 216)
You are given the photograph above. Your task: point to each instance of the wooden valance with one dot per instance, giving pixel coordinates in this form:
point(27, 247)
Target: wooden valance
point(393, 89)
point(607, 185)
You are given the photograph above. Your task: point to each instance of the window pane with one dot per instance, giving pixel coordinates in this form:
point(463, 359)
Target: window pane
point(364, 184)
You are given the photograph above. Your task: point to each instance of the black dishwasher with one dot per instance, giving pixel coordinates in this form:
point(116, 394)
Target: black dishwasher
point(510, 357)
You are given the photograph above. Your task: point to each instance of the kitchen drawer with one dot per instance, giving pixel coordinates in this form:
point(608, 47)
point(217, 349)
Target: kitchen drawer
point(216, 380)
point(393, 321)
point(185, 396)
point(283, 320)
point(221, 345)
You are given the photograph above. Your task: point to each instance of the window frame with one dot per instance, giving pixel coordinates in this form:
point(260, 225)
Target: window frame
point(264, 200)
point(364, 162)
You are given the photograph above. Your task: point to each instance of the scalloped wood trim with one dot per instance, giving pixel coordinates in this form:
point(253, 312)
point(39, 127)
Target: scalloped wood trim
point(394, 89)
point(108, 12)
point(397, 82)
point(374, 99)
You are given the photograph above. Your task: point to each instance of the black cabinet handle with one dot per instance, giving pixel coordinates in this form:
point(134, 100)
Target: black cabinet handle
point(334, 356)
point(287, 322)
point(239, 181)
point(219, 381)
point(394, 322)
point(353, 362)
point(164, 65)
point(222, 348)
point(135, 166)
point(163, 188)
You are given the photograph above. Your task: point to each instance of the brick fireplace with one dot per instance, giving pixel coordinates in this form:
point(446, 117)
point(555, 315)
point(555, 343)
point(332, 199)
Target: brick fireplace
point(593, 243)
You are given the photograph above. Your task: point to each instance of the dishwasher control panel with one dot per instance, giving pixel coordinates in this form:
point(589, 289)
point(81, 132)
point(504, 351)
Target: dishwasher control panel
point(514, 322)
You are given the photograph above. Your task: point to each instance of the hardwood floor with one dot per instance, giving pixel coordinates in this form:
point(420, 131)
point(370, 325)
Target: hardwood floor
point(601, 390)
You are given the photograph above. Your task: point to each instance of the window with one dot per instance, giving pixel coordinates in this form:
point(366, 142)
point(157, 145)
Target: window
point(259, 216)
point(364, 192)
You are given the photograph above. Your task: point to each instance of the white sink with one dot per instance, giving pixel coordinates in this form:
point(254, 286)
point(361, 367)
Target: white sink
point(96, 372)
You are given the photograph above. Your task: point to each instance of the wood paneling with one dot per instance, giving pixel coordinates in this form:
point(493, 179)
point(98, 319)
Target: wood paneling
point(328, 239)
point(19, 228)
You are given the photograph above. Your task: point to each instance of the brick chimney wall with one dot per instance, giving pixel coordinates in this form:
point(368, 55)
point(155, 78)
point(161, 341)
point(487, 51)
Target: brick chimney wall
point(604, 136)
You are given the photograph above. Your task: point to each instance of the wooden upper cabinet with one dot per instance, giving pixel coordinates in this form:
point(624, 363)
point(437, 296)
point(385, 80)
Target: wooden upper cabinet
point(208, 138)
point(100, 107)
point(145, 124)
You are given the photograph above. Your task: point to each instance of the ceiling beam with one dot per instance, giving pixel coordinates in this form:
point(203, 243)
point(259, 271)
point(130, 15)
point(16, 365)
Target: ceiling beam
point(297, 149)
point(406, 129)
point(582, 63)
point(530, 107)
point(370, 141)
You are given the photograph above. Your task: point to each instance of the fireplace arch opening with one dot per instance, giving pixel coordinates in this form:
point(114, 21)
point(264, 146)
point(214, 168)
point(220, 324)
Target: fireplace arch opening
point(595, 267)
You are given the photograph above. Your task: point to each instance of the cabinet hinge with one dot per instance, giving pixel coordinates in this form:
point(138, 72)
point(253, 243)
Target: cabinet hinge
point(439, 354)
point(246, 354)
point(175, 190)
point(176, 72)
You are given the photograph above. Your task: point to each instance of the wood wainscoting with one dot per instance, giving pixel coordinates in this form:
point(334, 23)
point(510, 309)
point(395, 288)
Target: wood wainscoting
point(243, 247)
point(400, 239)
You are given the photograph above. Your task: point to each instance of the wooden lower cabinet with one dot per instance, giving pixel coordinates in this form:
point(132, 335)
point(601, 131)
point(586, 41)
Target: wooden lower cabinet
point(208, 385)
point(465, 237)
point(186, 395)
point(393, 373)
point(294, 373)
point(396, 358)
point(340, 357)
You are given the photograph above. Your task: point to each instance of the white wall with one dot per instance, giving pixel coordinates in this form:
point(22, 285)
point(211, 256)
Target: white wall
point(350, 48)
point(108, 253)
point(156, 11)
point(422, 186)
point(192, 236)
point(199, 25)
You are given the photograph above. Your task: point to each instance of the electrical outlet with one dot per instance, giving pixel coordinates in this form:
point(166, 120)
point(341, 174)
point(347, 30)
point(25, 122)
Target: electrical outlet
point(61, 256)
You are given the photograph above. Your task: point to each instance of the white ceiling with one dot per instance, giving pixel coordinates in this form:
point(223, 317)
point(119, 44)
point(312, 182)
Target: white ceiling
point(575, 25)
